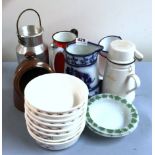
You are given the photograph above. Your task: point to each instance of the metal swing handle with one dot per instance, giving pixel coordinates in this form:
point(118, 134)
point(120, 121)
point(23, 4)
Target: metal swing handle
point(17, 23)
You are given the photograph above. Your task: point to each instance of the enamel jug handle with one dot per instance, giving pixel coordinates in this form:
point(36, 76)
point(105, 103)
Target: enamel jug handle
point(136, 80)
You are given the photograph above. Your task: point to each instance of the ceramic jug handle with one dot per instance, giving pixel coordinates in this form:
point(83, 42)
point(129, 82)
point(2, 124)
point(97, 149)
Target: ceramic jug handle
point(137, 82)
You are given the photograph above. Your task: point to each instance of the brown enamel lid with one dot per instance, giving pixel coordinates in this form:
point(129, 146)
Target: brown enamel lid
point(28, 69)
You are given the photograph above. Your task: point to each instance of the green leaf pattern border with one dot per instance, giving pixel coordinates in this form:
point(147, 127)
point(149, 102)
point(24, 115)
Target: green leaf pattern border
point(113, 132)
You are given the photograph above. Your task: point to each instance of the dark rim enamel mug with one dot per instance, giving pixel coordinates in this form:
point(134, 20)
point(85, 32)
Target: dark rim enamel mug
point(61, 40)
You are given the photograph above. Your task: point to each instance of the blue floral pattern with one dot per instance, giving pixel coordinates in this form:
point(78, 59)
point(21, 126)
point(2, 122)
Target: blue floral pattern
point(81, 61)
point(83, 76)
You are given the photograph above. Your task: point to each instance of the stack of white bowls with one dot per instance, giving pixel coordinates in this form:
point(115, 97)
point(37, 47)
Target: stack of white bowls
point(55, 109)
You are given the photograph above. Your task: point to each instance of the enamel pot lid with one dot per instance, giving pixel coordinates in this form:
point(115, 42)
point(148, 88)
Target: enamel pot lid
point(28, 69)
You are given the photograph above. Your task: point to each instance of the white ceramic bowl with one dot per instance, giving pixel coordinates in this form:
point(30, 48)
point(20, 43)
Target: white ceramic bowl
point(53, 120)
point(61, 146)
point(54, 126)
point(50, 118)
point(55, 130)
point(55, 93)
point(58, 145)
point(56, 138)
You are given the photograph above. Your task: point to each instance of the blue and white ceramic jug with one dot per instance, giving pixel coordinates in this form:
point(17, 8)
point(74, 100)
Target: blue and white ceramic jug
point(81, 61)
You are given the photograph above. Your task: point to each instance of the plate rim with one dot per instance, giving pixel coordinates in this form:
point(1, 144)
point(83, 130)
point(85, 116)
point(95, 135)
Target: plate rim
point(132, 125)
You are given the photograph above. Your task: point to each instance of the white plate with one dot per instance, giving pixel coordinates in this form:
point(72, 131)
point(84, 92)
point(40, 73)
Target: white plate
point(55, 92)
point(111, 116)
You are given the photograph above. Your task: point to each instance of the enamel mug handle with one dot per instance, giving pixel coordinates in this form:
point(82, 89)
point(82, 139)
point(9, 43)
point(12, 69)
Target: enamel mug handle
point(137, 82)
point(75, 31)
point(58, 59)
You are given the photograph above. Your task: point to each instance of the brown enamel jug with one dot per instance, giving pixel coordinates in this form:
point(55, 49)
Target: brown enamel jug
point(28, 69)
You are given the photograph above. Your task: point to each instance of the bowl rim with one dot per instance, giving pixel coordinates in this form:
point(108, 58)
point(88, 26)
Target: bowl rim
point(57, 143)
point(55, 115)
point(56, 134)
point(54, 131)
point(55, 125)
point(79, 81)
point(79, 130)
point(50, 120)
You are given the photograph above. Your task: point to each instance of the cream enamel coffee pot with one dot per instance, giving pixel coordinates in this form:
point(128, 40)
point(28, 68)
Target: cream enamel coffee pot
point(119, 76)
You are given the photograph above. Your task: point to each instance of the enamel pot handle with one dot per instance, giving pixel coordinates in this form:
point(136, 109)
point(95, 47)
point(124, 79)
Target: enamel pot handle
point(138, 55)
point(136, 80)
